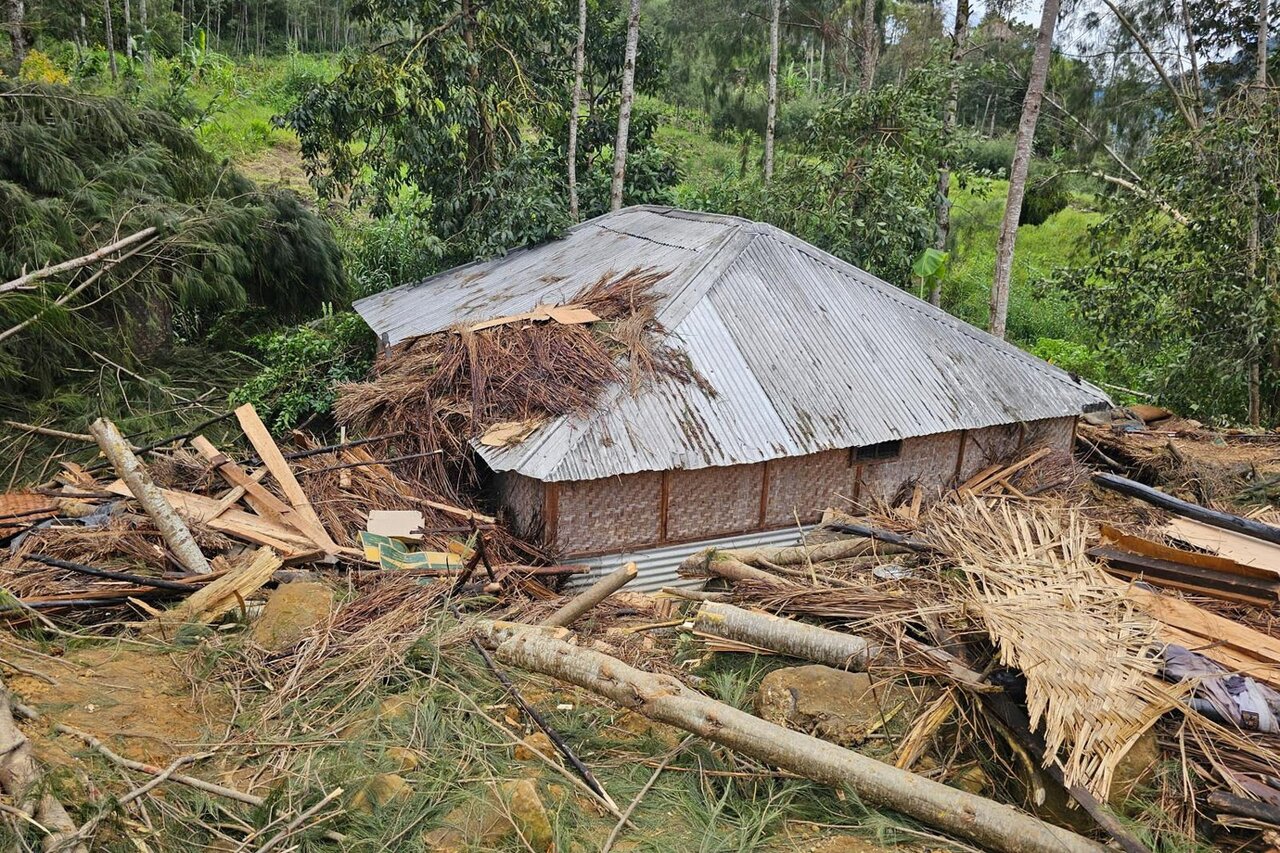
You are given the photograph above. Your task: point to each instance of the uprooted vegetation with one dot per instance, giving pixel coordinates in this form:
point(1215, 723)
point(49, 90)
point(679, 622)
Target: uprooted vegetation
point(934, 664)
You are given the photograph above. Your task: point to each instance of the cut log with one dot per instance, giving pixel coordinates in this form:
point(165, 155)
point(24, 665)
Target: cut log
point(1155, 497)
point(260, 438)
point(827, 552)
point(723, 564)
point(134, 473)
point(821, 645)
point(221, 596)
point(785, 636)
point(591, 596)
point(665, 699)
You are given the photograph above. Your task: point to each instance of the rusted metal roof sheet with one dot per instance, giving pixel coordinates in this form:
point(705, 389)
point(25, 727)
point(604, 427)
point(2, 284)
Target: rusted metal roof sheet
point(805, 352)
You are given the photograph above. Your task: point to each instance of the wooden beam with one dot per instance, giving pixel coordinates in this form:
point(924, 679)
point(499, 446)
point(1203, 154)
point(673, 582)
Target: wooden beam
point(260, 438)
point(1155, 497)
point(263, 502)
point(764, 495)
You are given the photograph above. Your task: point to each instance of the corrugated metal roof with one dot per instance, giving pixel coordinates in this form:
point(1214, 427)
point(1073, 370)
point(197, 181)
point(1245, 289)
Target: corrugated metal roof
point(805, 352)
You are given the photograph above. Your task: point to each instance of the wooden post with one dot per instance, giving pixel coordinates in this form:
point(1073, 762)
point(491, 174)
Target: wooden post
point(130, 468)
point(666, 700)
point(591, 596)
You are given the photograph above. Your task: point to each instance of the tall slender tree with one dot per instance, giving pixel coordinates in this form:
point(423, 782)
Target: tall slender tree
point(942, 231)
point(772, 112)
point(17, 35)
point(1018, 170)
point(579, 60)
point(870, 44)
point(111, 42)
point(128, 32)
point(624, 107)
point(1258, 269)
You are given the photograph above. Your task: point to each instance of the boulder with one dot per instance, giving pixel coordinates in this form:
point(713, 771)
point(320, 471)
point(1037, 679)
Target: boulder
point(490, 823)
point(838, 706)
point(380, 791)
point(292, 610)
point(536, 741)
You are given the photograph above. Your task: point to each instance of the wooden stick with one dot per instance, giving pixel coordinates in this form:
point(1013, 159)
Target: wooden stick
point(293, 825)
point(24, 282)
point(667, 759)
point(130, 468)
point(591, 596)
point(1155, 497)
point(50, 432)
point(362, 463)
point(139, 580)
point(667, 700)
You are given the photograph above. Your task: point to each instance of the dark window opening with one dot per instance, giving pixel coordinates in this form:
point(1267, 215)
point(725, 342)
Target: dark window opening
point(880, 450)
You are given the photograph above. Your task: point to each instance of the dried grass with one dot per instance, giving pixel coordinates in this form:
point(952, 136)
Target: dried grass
point(1087, 655)
point(445, 389)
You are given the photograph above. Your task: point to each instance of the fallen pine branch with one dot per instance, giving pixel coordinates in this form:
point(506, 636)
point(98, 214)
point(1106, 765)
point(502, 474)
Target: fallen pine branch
point(24, 282)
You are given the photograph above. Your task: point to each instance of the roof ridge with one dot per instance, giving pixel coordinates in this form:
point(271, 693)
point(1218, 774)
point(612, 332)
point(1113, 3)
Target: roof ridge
point(913, 303)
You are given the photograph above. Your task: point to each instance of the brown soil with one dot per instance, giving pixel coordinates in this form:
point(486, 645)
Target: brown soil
point(138, 702)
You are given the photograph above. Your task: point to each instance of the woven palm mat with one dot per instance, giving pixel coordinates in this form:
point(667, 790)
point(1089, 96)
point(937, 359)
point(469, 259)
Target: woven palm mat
point(1087, 655)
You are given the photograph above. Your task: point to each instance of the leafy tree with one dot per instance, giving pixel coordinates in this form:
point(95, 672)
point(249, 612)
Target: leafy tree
point(443, 106)
point(1171, 285)
point(864, 187)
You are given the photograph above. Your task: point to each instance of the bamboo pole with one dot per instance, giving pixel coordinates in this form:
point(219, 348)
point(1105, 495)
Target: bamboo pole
point(130, 468)
point(591, 596)
point(667, 700)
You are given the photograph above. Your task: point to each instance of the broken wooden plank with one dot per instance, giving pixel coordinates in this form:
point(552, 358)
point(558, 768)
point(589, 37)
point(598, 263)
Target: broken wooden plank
point(1211, 627)
point(1007, 472)
point(226, 593)
point(269, 453)
point(242, 525)
point(134, 473)
point(1155, 497)
point(263, 502)
point(1236, 546)
point(1168, 573)
point(1150, 548)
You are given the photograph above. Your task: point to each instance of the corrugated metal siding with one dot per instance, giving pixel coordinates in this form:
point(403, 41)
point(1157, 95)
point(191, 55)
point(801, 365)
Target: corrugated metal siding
point(805, 352)
point(657, 567)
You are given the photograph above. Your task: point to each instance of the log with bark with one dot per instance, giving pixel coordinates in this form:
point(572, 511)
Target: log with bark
point(591, 596)
point(666, 700)
point(130, 468)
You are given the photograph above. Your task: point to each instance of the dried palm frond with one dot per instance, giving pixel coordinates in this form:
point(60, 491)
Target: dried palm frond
point(445, 389)
point(1086, 653)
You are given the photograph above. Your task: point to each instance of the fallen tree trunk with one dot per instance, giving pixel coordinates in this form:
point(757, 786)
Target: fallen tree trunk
point(666, 700)
point(745, 561)
point(20, 778)
point(591, 596)
point(175, 532)
point(1177, 506)
point(785, 636)
point(722, 564)
point(821, 645)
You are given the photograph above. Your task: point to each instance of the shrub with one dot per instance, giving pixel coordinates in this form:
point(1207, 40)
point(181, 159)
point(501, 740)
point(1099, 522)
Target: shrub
point(39, 67)
point(992, 156)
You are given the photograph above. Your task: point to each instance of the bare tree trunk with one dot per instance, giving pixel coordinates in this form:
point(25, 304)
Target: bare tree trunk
point(111, 41)
point(785, 636)
point(771, 114)
point(1018, 170)
point(591, 596)
point(943, 213)
point(624, 107)
point(579, 60)
point(1256, 268)
point(174, 531)
point(17, 38)
point(870, 45)
point(146, 40)
point(665, 699)
point(128, 32)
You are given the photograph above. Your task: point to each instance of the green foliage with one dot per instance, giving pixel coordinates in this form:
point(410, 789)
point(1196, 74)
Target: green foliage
point(302, 367)
point(863, 189)
point(445, 115)
point(39, 67)
point(991, 156)
point(1185, 303)
point(1071, 357)
point(79, 171)
point(1046, 194)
